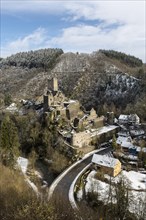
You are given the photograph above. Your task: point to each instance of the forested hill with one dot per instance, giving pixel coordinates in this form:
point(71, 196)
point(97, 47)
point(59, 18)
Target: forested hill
point(127, 59)
point(105, 80)
point(44, 58)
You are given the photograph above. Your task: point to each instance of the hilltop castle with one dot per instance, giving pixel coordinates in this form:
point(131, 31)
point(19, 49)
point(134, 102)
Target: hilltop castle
point(55, 99)
point(82, 125)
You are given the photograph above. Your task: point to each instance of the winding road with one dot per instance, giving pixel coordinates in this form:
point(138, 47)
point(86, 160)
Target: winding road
point(59, 189)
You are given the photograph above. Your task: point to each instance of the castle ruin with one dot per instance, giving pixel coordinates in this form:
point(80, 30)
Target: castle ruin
point(82, 125)
point(53, 96)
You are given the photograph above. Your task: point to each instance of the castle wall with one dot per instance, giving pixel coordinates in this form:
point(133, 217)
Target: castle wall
point(99, 122)
point(73, 109)
point(61, 111)
point(59, 98)
point(92, 115)
point(81, 139)
point(100, 138)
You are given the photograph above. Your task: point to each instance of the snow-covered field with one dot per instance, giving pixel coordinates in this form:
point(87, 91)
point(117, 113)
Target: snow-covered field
point(94, 185)
point(136, 180)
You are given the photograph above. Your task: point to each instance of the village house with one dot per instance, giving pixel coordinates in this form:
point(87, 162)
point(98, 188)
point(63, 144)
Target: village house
point(131, 119)
point(133, 129)
point(124, 133)
point(123, 139)
point(136, 132)
point(126, 144)
point(107, 165)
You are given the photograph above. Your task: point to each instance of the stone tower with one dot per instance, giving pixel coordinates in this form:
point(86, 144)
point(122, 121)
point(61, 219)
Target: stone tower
point(45, 97)
point(53, 84)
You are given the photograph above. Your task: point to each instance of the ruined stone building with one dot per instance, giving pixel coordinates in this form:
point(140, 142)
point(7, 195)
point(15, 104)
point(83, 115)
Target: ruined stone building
point(80, 122)
point(88, 136)
point(56, 100)
point(53, 97)
point(90, 120)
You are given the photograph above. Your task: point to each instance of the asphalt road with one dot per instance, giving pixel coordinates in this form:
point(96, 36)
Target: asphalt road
point(61, 191)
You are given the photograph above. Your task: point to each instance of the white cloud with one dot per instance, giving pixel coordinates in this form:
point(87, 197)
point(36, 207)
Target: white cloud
point(110, 11)
point(32, 41)
point(128, 36)
point(84, 38)
point(128, 39)
point(130, 11)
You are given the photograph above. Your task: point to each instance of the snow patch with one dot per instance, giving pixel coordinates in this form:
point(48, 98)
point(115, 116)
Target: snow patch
point(80, 194)
point(12, 108)
point(138, 180)
point(23, 163)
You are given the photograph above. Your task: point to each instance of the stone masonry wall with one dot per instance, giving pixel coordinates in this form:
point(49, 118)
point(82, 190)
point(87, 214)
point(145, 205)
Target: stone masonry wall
point(81, 139)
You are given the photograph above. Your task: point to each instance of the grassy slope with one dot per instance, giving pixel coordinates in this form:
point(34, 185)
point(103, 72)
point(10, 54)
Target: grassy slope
point(18, 201)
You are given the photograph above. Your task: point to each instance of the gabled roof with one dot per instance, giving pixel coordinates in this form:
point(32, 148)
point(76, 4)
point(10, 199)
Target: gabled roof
point(103, 160)
point(131, 118)
point(137, 132)
point(126, 144)
point(122, 139)
point(123, 117)
point(124, 133)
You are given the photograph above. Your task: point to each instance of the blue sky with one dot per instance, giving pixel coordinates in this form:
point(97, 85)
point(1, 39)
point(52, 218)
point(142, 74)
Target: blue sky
point(82, 26)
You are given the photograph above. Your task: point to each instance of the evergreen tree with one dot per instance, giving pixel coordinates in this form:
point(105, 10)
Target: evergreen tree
point(9, 142)
point(114, 144)
point(7, 99)
point(32, 158)
point(127, 59)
